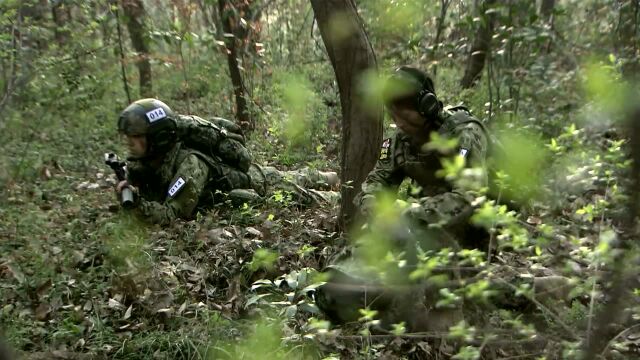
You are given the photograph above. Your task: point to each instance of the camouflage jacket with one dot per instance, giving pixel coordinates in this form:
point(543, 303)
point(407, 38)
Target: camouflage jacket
point(400, 159)
point(184, 181)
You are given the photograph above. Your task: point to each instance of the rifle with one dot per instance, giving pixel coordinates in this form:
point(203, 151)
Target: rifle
point(119, 167)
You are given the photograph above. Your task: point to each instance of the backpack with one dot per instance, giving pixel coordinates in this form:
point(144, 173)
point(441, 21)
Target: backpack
point(495, 149)
point(219, 138)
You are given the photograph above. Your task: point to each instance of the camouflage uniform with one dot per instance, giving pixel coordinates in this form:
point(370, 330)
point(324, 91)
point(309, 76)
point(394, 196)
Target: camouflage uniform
point(184, 181)
point(439, 202)
point(188, 180)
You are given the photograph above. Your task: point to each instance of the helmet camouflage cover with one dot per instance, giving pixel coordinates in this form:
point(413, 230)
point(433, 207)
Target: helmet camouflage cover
point(153, 119)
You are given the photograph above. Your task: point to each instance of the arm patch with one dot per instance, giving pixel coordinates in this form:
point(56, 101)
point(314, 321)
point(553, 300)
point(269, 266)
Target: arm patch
point(177, 185)
point(384, 151)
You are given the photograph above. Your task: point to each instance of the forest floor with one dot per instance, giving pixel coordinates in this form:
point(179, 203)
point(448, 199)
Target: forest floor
point(82, 278)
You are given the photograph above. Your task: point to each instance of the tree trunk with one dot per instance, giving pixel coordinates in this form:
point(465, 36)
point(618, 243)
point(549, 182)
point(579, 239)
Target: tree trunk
point(351, 55)
point(120, 53)
point(33, 12)
point(20, 48)
point(546, 9)
point(228, 18)
point(481, 46)
point(135, 19)
point(10, 67)
point(444, 6)
point(61, 14)
point(546, 13)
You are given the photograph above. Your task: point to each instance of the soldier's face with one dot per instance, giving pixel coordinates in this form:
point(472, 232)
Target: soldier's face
point(137, 145)
point(407, 120)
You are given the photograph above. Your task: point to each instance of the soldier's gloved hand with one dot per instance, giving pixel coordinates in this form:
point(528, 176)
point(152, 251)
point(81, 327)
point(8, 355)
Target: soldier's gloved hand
point(121, 185)
point(125, 184)
point(127, 194)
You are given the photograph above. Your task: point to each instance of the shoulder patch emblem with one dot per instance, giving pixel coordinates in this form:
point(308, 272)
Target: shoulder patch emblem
point(384, 152)
point(156, 114)
point(176, 186)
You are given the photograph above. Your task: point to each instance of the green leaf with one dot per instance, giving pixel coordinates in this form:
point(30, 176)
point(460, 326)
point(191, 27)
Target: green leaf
point(399, 329)
point(467, 353)
point(254, 300)
point(310, 308)
point(441, 144)
point(367, 314)
point(264, 259)
point(261, 284)
point(291, 311)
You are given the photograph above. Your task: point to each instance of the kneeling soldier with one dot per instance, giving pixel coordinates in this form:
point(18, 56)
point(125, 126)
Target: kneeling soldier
point(439, 215)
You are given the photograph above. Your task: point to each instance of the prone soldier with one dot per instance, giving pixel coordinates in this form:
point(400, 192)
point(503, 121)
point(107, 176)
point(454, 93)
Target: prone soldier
point(177, 163)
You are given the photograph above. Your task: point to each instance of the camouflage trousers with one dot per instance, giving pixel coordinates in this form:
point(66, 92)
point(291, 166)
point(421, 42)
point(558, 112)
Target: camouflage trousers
point(362, 280)
point(444, 220)
point(304, 187)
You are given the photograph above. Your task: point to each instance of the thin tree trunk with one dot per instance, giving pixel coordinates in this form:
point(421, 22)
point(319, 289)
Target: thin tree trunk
point(61, 14)
point(123, 70)
point(546, 13)
point(227, 18)
point(481, 46)
point(351, 56)
point(135, 20)
point(444, 6)
point(546, 9)
point(34, 12)
point(16, 67)
point(9, 79)
point(206, 17)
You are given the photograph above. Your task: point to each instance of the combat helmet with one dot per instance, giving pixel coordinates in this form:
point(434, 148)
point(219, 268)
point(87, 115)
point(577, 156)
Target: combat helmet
point(153, 119)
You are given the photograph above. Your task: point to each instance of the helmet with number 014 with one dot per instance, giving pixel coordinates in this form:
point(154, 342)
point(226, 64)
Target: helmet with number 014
point(151, 118)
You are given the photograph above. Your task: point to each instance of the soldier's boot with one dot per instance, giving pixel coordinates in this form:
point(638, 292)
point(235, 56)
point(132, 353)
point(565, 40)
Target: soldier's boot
point(552, 288)
point(310, 197)
point(342, 297)
point(327, 197)
point(258, 179)
point(314, 187)
point(239, 197)
point(332, 178)
point(314, 179)
point(552, 291)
